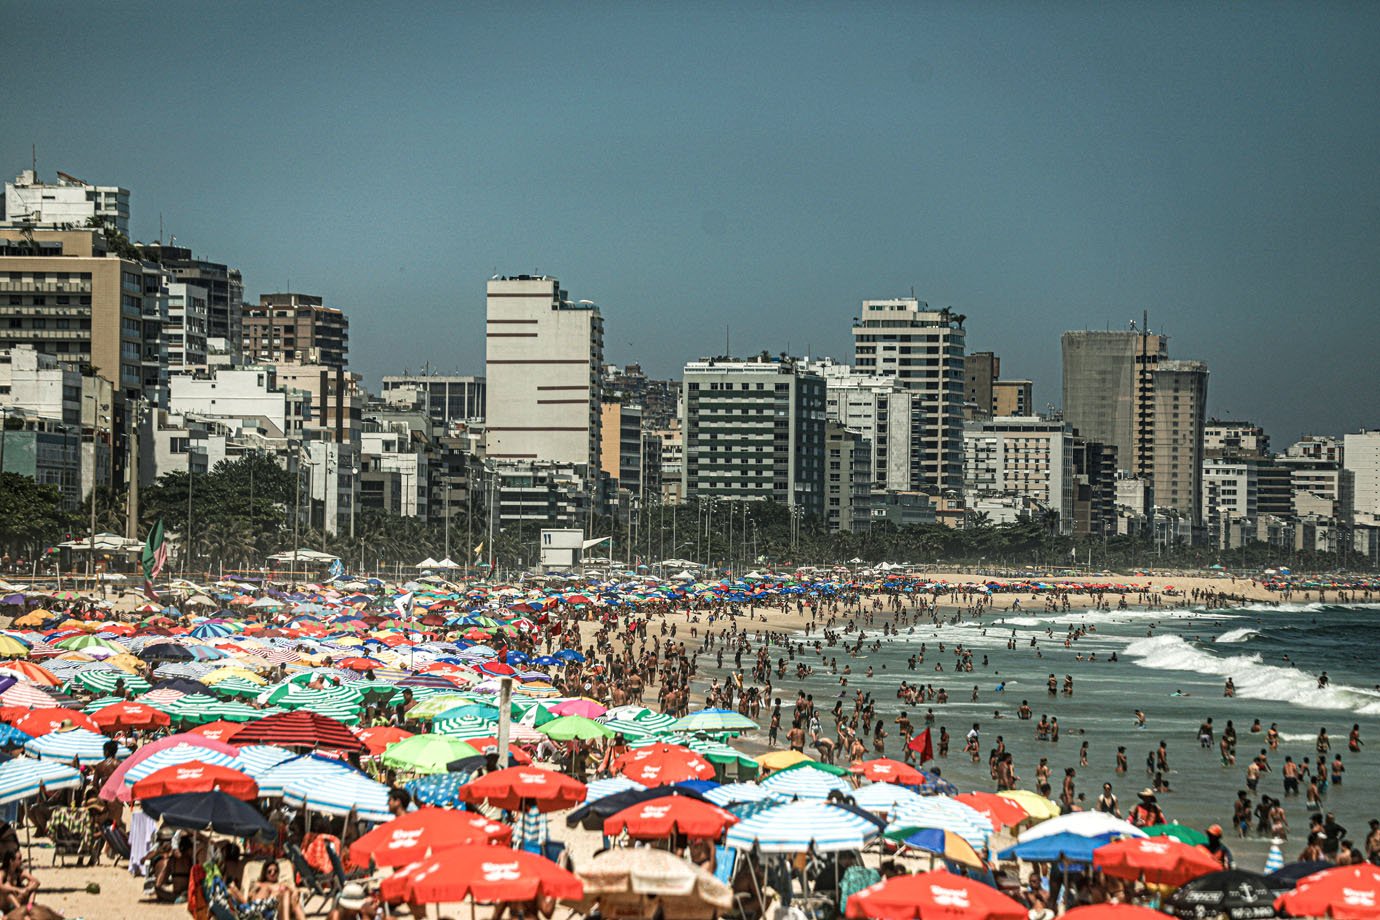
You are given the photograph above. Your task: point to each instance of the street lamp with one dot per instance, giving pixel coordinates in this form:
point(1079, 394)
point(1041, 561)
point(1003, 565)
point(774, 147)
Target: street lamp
point(96, 418)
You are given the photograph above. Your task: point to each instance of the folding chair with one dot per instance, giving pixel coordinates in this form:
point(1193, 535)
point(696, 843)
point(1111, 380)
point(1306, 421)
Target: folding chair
point(313, 883)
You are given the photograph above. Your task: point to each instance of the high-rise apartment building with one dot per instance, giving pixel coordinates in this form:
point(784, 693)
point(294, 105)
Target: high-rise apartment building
point(295, 329)
point(1235, 439)
point(981, 370)
point(753, 430)
point(621, 452)
point(185, 332)
point(447, 399)
point(223, 285)
point(1013, 398)
point(883, 412)
point(70, 203)
point(1025, 458)
point(544, 356)
point(847, 479)
point(1362, 462)
point(923, 349)
point(1178, 415)
point(1108, 390)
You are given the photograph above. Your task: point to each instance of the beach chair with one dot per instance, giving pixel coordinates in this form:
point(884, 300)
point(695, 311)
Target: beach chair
point(725, 858)
point(312, 883)
point(117, 841)
point(338, 868)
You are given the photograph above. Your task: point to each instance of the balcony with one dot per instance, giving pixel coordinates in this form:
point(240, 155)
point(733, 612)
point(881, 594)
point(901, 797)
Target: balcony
point(45, 287)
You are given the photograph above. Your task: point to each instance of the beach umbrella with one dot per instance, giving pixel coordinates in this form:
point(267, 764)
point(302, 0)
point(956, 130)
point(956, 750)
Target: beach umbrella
point(195, 776)
point(933, 895)
point(13, 737)
point(186, 747)
point(426, 753)
point(1057, 848)
point(651, 879)
point(884, 798)
point(780, 760)
point(439, 789)
point(1156, 860)
point(715, 720)
point(945, 844)
point(213, 811)
point(235, 686)
point(568, 728)
point(21, 777)
point(796, 826)
point(613, 785)
point(418, 834)
point(1082, 824)
point(656, 819)
point(1001, 811)
point(484, 873)
point(592, 813)
point(433, 706)
point(1274, 860)
point(378, 738)
point(1180, 832)
point(1037, 806)
point(508, 788)
point(1342, 892)
point(219, 730)
point(33, 673)
point(805, 783)
point(86, 747)
point(464, 727)
point(579, 707)
point(347, 792)
point(1295, 872)
point(662, 763)
point(1233, 893)
point(129, 715)
point(10, 647)
point(301, 729)
point(937, 811)
point(301, 770)
point(39, 722)
point(887, 770)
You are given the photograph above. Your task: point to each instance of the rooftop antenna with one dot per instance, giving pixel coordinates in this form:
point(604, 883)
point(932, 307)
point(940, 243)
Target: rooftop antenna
point(160, 227)
point(728, 350)
point(34, 150)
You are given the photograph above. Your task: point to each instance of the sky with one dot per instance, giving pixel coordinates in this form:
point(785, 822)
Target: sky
point(750, 172)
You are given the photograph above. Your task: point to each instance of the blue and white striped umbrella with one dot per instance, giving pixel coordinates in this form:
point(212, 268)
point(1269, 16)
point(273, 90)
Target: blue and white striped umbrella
point(793, 827)
point(259, 758)
point(805, 783)
point(176, 755)
point(302, 772)
point(347, 792)
point(941, 813)
point(885, 798)
point(212, 631)
point(1274, 860)
point(86, 746)
point(20, 778)
point(732, 793)
point(611, 786)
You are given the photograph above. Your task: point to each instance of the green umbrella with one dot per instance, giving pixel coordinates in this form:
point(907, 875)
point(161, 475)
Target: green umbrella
point(426, 753)
point(237, 686)
point(76, 643)
point(338, 704)
point(465, 727)
point(631, 728)
point(1180, 832)
point(104, 681)
point(715, 720)
point(199, 708)
point(433, 706)
point(567, 728)
point(817, 765)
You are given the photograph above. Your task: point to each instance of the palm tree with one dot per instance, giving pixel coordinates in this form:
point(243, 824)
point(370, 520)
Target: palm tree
point(228, 542)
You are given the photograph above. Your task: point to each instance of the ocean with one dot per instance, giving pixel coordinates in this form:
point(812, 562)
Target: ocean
point(1173, 664)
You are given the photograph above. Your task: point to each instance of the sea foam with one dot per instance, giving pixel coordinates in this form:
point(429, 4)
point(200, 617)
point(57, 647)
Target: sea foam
point(1237, 635)
point(1253, 678)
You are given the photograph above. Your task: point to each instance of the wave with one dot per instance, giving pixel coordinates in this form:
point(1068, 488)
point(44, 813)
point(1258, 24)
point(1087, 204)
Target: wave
point(1237, 635)
point(1253, 678)
point(1019, 621)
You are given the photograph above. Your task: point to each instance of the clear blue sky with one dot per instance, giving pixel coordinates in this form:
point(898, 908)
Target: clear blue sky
point(1037, 166)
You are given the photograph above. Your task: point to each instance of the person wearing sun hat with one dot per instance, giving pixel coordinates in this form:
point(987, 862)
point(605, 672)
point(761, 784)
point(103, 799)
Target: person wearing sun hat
point(1146, 812)
point(1216, 848)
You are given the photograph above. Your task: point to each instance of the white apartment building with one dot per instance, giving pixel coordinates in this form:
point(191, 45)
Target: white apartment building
point(70, 202)
point(38, 384)
point(884, 412)
point(543, 357)
point(1362, 461)
point(1020, 457)
point(184, 333)
point(1317, 447)
point(251, 395)
point(923, 349)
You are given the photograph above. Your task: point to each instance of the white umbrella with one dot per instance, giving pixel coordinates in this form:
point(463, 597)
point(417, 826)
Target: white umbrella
point(1081, 824)
point(793, 827)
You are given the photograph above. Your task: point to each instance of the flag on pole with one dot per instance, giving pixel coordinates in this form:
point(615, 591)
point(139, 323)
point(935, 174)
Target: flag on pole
point(478, 550)
point(404, 603)
point(155, 557)
point(922, 745)
point(336, 570)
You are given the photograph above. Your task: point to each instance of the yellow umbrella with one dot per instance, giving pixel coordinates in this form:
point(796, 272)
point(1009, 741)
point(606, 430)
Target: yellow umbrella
point(125, 662)
point(1037, 806)
point(350, 641)
point(228, 671)
point(35, 617)
point(780, 760)
point(73, 656)
point(10, 647)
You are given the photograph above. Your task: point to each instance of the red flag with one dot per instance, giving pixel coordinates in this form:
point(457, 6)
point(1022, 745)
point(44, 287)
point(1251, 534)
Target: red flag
point(922, 745)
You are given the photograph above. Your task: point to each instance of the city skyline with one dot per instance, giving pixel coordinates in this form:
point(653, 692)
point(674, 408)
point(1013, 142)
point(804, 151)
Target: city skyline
point(1037, 171)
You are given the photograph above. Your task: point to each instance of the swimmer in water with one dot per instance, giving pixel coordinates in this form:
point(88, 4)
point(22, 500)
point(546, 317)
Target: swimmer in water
point(1140, 719)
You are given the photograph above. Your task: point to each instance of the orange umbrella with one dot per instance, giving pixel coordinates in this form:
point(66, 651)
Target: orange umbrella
point(1342, 892)
point(658, 764)
point(1001, 811)
point(485, 873)
point(508, 788)
point(935, 895)
point(1156, 860)
point(219, 730)
point(32, 672)
point(377, 739)
point(408, 838)
point(129, 715)
point(195, 776)
point(42, 721)
point(887, 770)
point(654, 819)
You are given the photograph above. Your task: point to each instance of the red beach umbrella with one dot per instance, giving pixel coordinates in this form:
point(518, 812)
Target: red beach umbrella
point(887, 770)
point(195, 776)
point(484, 873)
point(129, 715)
point(219, 730)
point(1112, 912)
point(377, 739)
point(42, 721)
point(1342, 892)
point(1157, 860)
point(998, 809)
point(658, 764)
point(933, 895)
point(408, 838)
point(655, 819)
point(300, 729)
point(550, 790)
